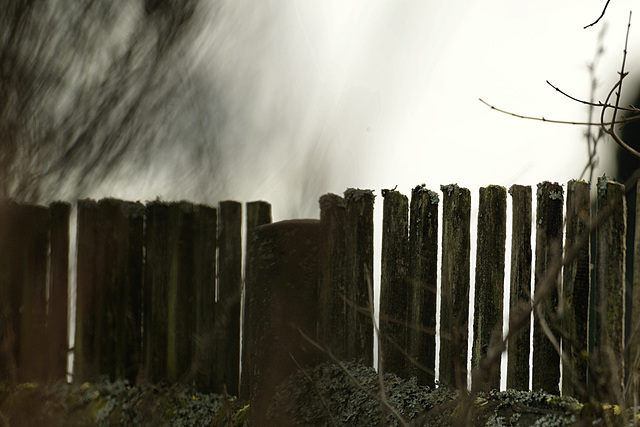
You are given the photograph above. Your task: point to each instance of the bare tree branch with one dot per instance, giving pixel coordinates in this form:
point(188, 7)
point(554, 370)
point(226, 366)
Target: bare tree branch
point(604, 10)
point(563, 122)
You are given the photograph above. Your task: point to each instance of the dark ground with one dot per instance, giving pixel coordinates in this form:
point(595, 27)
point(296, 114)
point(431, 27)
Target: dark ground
point(324, 396)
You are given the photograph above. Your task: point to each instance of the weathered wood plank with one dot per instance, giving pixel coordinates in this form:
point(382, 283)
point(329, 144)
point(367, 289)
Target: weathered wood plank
point(109, 289)
point(423, 272)
point(489, 283)
point(332, 287)
point(394, 284)
point(576, 281)
point(206, 223)
point(258, 213)
point(229, 293)
point(58, 306)
point(359, 267)
point(520, 289)
point(549, 221)
point(454, 323)
point(608, 291)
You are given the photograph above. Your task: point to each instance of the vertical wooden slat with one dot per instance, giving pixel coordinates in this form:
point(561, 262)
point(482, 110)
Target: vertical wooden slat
point(393, 284)
point(229, 292)
point(31, 245)
point(10, 299)
point(332, 286)
point(520, 289)
point(489, 283)
point(634, 335)
point(170, 324)
point(182, 298)
point(85, 363)
point(549, 220)
point(58, 307)
point(609, 291)
point(575, 291)
point(206, 222)
point(258, 213)
point(359, 267)
point(109, 292)
point(454, 327)
point(423, 271)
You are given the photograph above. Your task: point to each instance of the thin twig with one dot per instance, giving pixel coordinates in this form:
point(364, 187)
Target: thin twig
point(562, 122)
point(604, 10)
point(591, 103)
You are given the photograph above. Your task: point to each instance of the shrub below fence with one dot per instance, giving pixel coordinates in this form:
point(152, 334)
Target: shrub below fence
point(159, 290)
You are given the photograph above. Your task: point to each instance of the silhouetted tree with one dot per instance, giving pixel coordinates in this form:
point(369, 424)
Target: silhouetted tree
point(85, 84)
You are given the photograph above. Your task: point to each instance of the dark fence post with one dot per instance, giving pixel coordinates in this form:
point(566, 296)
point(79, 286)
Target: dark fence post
point(549, 220)
point(575, 291)
point(206, 222)
point(634, 335)
point(359, 270)
point(332, 285)
point(609, 292)
point(520, 289)
point(170, 324)
point(58, 307)
point(423, 272)
point(282, 303)
point(489, 286)
point(24, 242)
point(454, 302)
point(229, 292)
point(393, 284)
point(258, 213)
point(109, 291)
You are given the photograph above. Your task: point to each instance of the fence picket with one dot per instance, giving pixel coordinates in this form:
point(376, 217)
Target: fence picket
point(169, 291)
point(633, 335)
point(520, 289)
point(423, 271)
point(454, 321)
point(489, 283)
point(109, 289)
point(58, 306)
point(205, 242)
point(609, 292)
point(546, 360)
point(258, 213)
point(576, 281)
point(229, 292)
point(332, 285)
point(394, 287)
point(359, 267)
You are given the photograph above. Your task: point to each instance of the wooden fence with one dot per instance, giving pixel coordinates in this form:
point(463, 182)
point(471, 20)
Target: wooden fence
point(159, 289)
